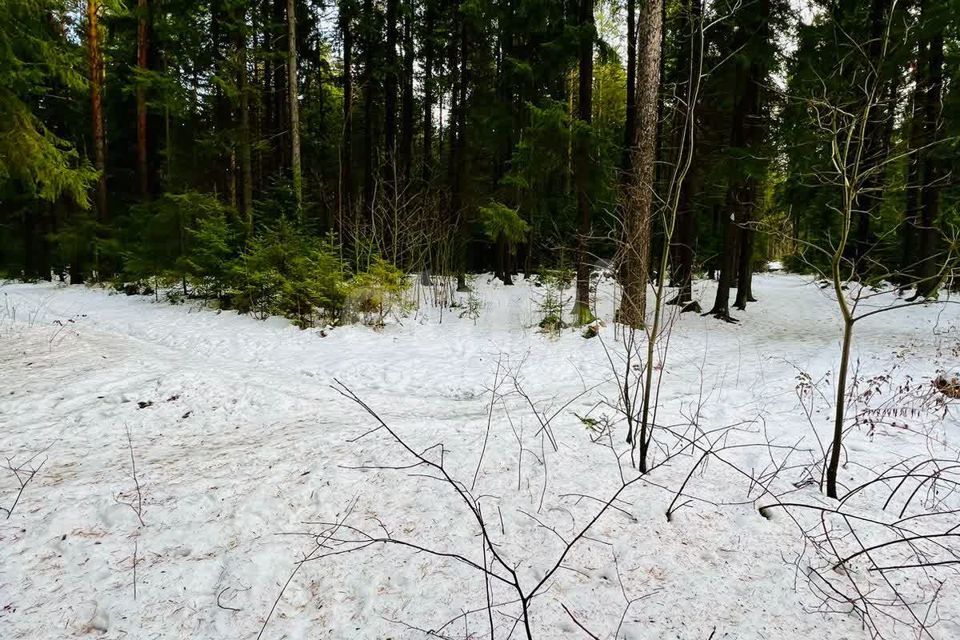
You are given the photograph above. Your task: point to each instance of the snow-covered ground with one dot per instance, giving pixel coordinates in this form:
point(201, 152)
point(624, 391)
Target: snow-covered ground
point(242, 448)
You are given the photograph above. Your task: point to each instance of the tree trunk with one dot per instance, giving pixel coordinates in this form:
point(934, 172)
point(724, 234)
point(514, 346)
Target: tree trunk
point(281, 97)
point(747, 129)
point(95, 60)
point(870, 196)
point(246, 166)
point(833, 465)
point(638, 207)
point(745, 269)
point(428, 61)
point(293, 90)
point(582, 160)
point(368, 104)
point(685, 235)
point(346, 142)
point(460, 151)
point(390, 85)
point(143, 64)
point(406, 116)
point(630, 127)
point(932, 178)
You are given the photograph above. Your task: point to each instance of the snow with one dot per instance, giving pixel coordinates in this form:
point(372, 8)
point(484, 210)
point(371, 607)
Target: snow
point(242, 447)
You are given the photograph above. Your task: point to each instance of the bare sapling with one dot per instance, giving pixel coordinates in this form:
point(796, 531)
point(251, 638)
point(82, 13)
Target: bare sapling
point(853, 170)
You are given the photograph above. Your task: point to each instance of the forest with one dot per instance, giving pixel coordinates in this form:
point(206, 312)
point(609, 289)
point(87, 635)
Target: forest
point(265, 153)
point(627, 319)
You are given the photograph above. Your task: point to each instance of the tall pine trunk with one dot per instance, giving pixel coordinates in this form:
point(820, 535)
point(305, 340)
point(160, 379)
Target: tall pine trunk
point(390, 85)
point(346, 143)
point(95, 61)
point(143, 64)
point(748, 127)
point(582, 159)
point(931, 172)
point(292, 92)
point(630, 127)
point(406, 115)
point(246, 162)
point(685, 234)
point(870, 196)
point(369, 44)
point(428, 92)
point(638, 208)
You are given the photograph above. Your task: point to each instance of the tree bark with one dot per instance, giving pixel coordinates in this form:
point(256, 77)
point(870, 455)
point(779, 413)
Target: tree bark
point(428, 62)
point(685, 234)
point(745, 269)
point(390, 85)
point(281, 97)
point(747, 129)
point(246, 164)
point(143, 64)
point(346, 143)
point(638, 207)
point(932, 178)
point(95, 61)
point(630, 127)
point(368, 104)
point(459, 150)
point(582, 160)
point(293, 90)
point(406, 115)
point(870, 196)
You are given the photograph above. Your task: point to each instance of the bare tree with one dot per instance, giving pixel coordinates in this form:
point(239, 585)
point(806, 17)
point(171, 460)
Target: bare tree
point(852, 173)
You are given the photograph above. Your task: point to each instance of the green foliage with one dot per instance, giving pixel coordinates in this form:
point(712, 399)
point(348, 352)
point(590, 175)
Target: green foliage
point(471, 307)
point(178, 238)
point(374, 294)
point(35, 61)
point(287, 272)
point(553, 300)
point(499, 220)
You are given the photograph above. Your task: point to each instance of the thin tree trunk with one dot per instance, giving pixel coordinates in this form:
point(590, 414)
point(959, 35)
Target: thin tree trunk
point(870, 196)
point(638, 207)
point(281, 99)
point(428, 61)
point(246, 166)
point(389, 171)
point(833, 466)
point(745, 269)
point(748, 128)
point(915, 144)
point(460, 169)
point(406, 116)
point(346, 143)
point(930, 194)
point(368, 104)
point(630, 127)
point(685, 235)
point(582, 160)
point(95, 60)
point(293, 90)
point(143, 64)
point(390, 85)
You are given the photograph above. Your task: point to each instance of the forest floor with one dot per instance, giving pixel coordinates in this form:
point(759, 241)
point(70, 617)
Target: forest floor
point(241, 448)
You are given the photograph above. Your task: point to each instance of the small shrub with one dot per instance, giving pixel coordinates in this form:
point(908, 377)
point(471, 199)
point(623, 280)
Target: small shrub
point(285, 272)
point(553, 301)
point(374, 294)
point(471, 308)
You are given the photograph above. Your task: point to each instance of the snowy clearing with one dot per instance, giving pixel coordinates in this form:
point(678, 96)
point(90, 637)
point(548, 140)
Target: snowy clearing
point(242, 449)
